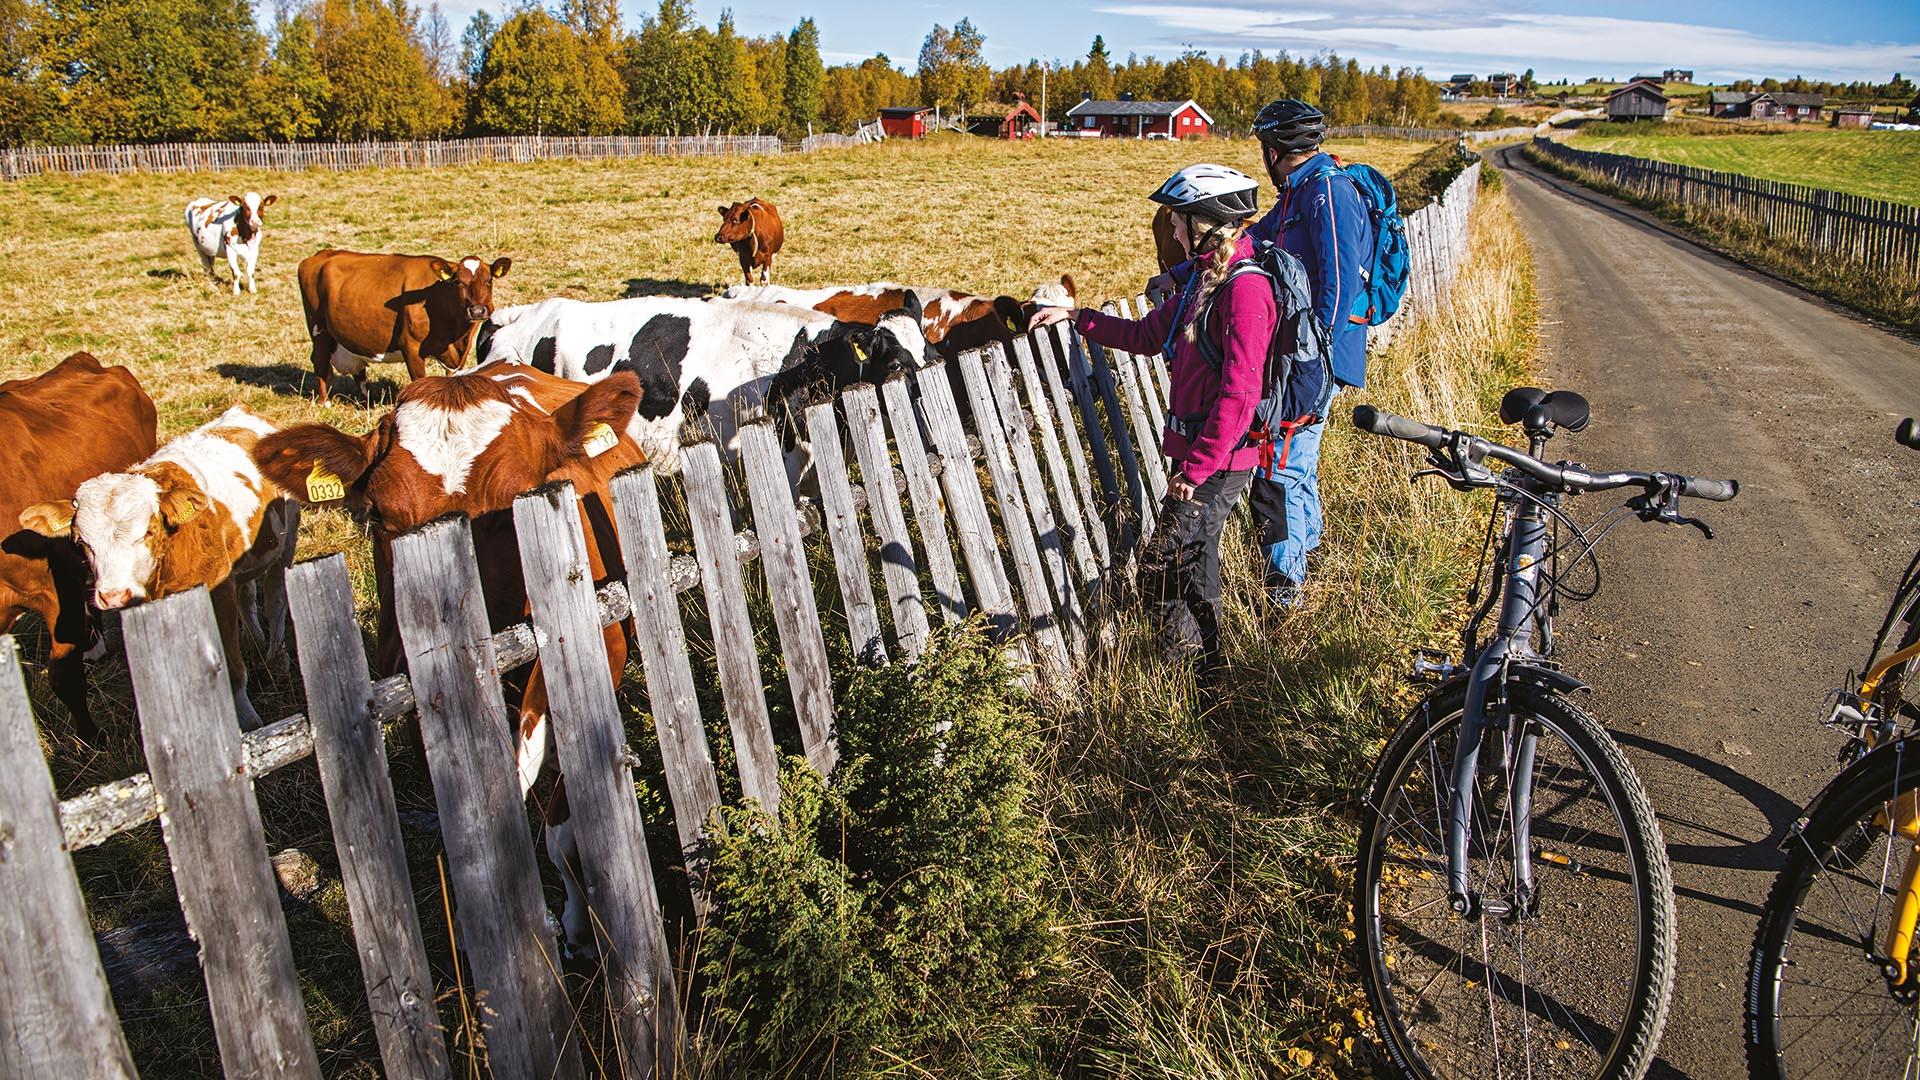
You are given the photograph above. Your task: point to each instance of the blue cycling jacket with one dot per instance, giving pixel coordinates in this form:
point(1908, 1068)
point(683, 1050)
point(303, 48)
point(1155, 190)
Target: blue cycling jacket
point(1322, 220)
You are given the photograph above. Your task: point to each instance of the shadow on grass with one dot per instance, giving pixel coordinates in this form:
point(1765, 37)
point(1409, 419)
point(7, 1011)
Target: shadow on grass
point(172, 273)
point(293, 380)
point(640, 286)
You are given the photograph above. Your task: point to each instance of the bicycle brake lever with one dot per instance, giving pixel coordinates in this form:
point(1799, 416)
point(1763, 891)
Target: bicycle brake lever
point(1705, 529)
point(1665, 512)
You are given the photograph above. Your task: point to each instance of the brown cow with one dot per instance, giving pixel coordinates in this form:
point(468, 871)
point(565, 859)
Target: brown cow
point(1166, 246)
point(471, 443)
point(57, 430)
point(754, 231)
point(952, 321)
point(364, 309)
point(195, 513)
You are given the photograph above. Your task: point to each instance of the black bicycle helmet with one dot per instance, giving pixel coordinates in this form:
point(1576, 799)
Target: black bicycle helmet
point(1290, 125)
point(1211, 191)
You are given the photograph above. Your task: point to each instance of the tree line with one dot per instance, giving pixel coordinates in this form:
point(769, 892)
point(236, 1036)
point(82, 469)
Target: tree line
point(202, 70)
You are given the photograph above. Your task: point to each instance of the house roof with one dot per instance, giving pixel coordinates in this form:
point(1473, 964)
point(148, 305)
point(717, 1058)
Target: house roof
point(1019, 107)
point(1639, 86)
point(903, 111)
point(1855, 109)
point(1461, 78)
point(1727, 97)
point(1136, 108)
point(1785, 98)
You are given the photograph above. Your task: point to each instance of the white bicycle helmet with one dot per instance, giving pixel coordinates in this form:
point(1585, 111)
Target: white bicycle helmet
point(1211, 191)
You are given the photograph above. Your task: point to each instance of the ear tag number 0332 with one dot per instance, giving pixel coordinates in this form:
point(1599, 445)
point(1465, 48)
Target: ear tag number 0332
point(323, 486)
point(600, 439)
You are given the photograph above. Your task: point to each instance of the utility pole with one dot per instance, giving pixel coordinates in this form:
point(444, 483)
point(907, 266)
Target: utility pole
point(1043, 97)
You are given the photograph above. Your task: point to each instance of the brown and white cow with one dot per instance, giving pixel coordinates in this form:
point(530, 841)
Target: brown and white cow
point(196, 512)
point(59, 429)
point(470, 443)
point(229, 228)
point(364, 309)
point(754, 231)
point(952, 321)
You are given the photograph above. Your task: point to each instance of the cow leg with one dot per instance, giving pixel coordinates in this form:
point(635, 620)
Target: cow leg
point(322, 366)
point(253, 258)
point(416, 364)
point(766, 272)
point(233, 267)
point(576, 921)
point(249, 602)
point(206, 263)
point(67, 672)
point(226, 612)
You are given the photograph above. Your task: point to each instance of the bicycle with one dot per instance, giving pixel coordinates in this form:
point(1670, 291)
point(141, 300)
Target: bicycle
point(1514, 901)
point(1833, 985)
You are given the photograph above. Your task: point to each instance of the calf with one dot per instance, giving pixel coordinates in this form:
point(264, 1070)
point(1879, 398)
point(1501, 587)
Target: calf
point(228, 227)
point(197, 512)
point(364, 309)
point(716, 357)
point(59, 429)
point(470, 444)
point(753, 230)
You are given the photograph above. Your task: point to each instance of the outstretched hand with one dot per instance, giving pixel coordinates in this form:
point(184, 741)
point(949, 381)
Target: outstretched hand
point(1047, 316)
point(1159, 285)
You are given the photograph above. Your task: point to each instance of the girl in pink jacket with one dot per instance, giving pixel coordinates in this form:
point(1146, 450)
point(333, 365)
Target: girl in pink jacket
point(1210, 411)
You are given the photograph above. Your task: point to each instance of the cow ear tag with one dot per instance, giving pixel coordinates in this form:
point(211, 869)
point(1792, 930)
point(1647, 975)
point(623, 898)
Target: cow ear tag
point(600, 439)
point(1012, 327)
point(323, 486)
point(446, 275)
point(858, 352)
point(186, 513)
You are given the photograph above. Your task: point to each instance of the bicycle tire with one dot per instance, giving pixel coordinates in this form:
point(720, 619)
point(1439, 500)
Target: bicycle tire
point(1826, 841)
point(1642, 1017)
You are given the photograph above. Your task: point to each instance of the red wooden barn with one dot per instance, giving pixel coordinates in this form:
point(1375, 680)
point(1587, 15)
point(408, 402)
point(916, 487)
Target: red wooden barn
point(1020, 121)
point(905, 121)
point(1130, 119)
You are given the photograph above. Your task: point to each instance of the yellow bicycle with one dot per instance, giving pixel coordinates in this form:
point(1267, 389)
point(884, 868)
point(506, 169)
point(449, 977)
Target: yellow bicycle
point(1833, 986)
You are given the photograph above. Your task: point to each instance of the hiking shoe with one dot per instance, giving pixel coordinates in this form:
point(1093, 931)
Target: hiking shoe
point(1284, 592)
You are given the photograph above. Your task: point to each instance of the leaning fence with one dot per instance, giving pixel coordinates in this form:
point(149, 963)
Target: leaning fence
point(1026, 513)
point(1870, 233)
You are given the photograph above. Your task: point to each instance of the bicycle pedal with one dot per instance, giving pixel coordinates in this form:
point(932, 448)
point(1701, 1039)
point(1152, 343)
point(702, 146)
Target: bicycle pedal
point(1433, 666)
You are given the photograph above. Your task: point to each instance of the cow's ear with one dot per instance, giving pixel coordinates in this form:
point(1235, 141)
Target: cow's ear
point(180, 505)
point(442, 270)
point(314, 463)
point(912, 306)
point(1010, 312)
point(53, 519)
point(610, 402)
point(1066, 282)
point(268, 201)
point(501, 265)
point(724, 209)
point(236, 200)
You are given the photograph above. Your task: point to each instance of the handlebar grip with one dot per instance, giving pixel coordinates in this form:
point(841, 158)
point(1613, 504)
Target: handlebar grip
point(1712, 490)
point(1908, 434)
point(1381, 422)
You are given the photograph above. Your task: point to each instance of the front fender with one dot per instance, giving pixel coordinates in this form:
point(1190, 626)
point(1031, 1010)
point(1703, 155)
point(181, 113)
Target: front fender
point(1849, 777)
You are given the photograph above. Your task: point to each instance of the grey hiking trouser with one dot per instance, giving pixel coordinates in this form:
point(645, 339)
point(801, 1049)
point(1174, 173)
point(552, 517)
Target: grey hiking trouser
point(1180, 568)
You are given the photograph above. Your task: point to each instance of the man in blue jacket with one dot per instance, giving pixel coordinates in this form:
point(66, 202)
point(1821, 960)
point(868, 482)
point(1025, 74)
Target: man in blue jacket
point(1321, 219)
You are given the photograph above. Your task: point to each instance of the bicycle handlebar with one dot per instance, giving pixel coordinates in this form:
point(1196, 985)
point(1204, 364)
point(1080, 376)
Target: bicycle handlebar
point(1380, 422)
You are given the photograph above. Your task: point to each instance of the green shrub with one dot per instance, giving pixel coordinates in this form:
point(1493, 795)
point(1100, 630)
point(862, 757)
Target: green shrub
point(902, 906)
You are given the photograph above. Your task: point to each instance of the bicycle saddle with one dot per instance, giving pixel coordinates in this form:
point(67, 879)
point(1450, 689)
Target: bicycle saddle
point(1534, 407)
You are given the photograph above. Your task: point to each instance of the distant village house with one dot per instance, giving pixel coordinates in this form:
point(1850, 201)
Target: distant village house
point(1853, 116)
point(1640, 99)
point(1459, 86)
point(905, 121)
point(1729, 103)
point(1767, 105)
point(1017, 121)
point(1684, 75)
point(1130, 119)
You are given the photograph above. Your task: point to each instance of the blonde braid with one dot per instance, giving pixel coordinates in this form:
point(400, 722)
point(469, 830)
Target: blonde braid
point(1219, 256)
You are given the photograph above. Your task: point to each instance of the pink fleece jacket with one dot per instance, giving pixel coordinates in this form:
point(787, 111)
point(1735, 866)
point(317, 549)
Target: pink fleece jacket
point(1221, 404)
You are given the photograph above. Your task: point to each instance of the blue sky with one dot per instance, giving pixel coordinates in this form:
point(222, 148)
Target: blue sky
point(1719, 39)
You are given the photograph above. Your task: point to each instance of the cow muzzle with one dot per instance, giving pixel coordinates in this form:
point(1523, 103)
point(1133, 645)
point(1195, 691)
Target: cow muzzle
point(114, 599)
point(477, 313)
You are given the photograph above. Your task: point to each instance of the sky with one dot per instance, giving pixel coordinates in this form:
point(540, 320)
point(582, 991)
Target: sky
point(1719, 39)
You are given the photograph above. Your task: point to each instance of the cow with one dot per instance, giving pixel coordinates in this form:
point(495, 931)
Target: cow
point(195, 512)
point(58, 429)
point(952, 321)
point(716, 357)
point(364, 309)
point(470, 443)
point(753, 230)
point(1166, 246)
point(228, 227)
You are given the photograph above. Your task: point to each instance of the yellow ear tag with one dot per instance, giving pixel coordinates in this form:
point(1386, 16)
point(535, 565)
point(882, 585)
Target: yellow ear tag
point(446, 275)
point(323, 486)
point(858, 352)
point(1012, 327)
point(600, 439)
point(188, 512)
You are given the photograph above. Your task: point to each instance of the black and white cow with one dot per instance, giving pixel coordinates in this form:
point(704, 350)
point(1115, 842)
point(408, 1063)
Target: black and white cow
point(721, 357)
point(228, 228)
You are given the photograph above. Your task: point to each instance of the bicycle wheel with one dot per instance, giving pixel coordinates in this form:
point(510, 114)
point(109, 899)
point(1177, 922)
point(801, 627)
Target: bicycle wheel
point(1573, 983)
point(1818, 1000)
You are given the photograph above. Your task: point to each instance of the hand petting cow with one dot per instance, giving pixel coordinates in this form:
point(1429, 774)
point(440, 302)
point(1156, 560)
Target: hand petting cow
point(471, 443)
point(59, 429)
point(228, 228)
point(753, 230)
point(197, 512)
point(952, 321)
point(363, 309)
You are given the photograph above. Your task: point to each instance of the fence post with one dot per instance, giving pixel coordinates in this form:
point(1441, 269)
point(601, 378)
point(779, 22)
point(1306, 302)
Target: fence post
point(56, 1017)
point(843, 532)
point(1063, 486)
point(614, 870)
point(897, 565)
point(214, 840)
point(1143, 428)
point(1015, 425)
point(350, 747)
point(464, 723)
point(1069, 404)
point(991, 588)
point(929, 513)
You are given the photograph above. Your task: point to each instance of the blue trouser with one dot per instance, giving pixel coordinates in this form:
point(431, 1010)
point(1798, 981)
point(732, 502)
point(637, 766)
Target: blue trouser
point(1286, 504)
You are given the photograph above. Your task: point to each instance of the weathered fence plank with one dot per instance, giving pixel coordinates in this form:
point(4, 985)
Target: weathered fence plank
point(214, 840)
point(1065, 494)
point(1147, 436)
point(897, 565)
point(1015, 426)
point(56, 1018)
point(350, 748)
point(929, 511)
point(1138, 506)
point(1162, 378)
point(992, 591)
point(735, 656)
point(501, 915)
point(614, 869)
point(1051, 361)
point(843, 532)
point(790, 590)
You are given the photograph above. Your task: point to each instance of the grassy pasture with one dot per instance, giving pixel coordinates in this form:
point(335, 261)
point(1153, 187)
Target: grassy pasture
point(1877, 164)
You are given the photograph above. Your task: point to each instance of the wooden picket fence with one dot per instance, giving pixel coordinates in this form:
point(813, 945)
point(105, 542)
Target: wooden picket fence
point(1421, 134)
point(1043, 501)
point(1869, 233)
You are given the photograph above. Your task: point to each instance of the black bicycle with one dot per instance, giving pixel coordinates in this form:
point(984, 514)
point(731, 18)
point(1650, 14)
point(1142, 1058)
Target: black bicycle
point(1514, 901)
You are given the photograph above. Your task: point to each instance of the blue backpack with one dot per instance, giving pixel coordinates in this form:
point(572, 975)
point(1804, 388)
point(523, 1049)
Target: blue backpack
point(1384, 278)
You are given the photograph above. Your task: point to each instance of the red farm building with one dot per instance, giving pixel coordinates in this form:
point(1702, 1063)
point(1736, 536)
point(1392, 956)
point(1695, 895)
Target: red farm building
point(1018, 121)
point(905, 121)
point(1130, 119)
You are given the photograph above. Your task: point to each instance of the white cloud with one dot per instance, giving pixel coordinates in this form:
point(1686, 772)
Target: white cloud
point(1395, 32)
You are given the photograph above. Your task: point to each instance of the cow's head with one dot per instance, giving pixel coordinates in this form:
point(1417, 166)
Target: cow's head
point(247, 217)
point(453, 443)
point(125, 523)
point(736, 222)
point(1059, 294)
point(466, 287)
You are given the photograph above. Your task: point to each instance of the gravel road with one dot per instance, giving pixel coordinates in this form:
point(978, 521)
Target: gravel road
point(1709, 659)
